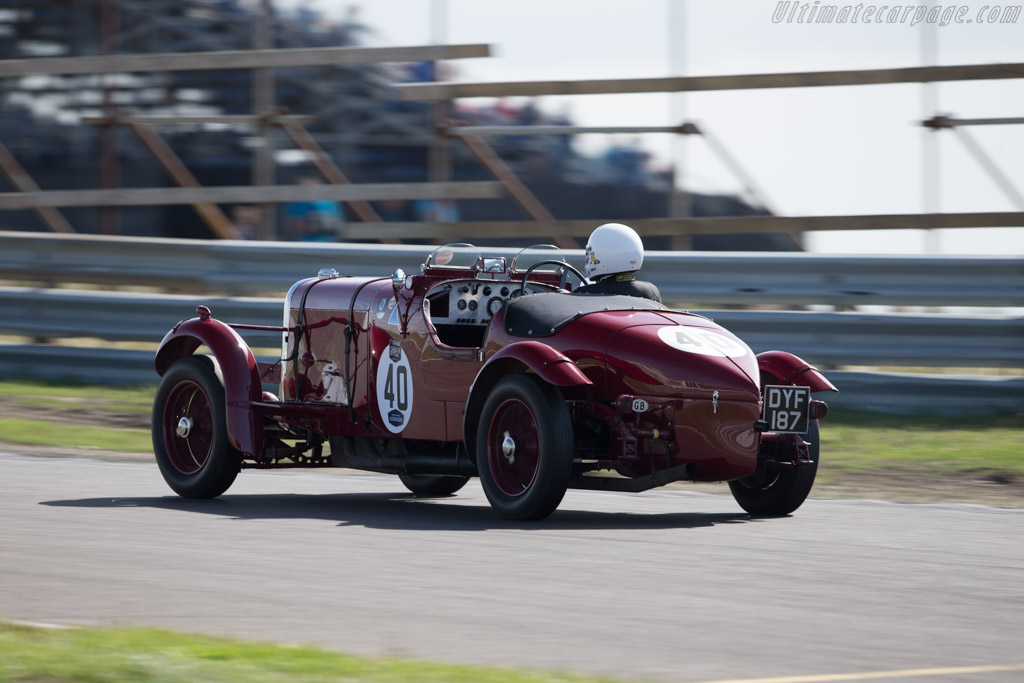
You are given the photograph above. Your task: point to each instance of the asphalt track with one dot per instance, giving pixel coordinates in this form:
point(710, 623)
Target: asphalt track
point(666, 585)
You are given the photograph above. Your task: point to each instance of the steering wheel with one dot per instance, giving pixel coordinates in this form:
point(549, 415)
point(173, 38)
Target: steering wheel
point(563, 279)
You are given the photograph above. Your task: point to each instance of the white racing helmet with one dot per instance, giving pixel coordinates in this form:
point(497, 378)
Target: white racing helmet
point(613, 248)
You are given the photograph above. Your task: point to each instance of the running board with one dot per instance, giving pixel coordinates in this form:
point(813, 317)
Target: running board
point(638, 484)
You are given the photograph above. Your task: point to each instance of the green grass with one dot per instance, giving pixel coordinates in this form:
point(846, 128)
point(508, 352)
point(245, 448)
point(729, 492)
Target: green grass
point(137, 655)
point(892, 450)
point(46, 415)
point(862, 442)
point(115, 405)
point(136, 400)
point(134, 396)
point(42, 433)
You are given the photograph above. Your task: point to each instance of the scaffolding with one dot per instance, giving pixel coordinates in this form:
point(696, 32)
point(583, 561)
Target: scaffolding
point(199, 87)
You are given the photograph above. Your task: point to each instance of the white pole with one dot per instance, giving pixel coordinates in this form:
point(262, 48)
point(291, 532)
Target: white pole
point(930, 160)
point(677, 108)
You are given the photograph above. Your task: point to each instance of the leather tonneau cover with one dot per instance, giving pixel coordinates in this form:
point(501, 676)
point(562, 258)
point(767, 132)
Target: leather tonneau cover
point(542, 315)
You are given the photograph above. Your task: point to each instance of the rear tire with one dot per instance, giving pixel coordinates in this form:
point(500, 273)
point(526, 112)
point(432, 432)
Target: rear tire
point(430, 486)
point(190, 438)
point(524, 448)
point(781, 491)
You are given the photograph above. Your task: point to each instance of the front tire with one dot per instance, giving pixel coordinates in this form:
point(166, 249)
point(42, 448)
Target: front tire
point(190, 438)
point(778, 492)
point(431, 486)
point(524, 448)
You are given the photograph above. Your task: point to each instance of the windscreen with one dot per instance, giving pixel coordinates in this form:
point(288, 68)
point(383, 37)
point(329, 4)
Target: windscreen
point(459, 255)
point(535, 254)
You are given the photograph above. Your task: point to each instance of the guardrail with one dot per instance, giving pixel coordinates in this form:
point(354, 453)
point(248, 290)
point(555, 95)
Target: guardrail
point(889, 393)
point(221, 271)
point(823, 338)
point(251, 268)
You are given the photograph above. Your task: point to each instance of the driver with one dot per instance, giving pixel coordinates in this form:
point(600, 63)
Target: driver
point(614, 254)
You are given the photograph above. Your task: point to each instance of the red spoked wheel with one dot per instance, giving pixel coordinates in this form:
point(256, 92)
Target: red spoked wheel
point(189, 432)
point(524, 448)
point(188, 427)
point(513, 447)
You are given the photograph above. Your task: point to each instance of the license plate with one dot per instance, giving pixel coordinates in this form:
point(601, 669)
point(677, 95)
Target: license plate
point(787, 409)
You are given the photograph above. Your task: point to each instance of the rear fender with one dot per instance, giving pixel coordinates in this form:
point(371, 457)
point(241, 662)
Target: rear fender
point(238, 372)
point(550, 364)
point(790, 369)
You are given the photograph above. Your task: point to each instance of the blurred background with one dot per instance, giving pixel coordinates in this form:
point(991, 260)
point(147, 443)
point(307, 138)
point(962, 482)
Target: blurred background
point(796, 152)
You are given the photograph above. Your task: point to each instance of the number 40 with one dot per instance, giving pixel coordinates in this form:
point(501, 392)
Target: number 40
point(396, 387)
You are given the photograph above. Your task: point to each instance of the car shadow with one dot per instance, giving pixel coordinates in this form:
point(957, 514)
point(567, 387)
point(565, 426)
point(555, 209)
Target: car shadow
point(397, 511)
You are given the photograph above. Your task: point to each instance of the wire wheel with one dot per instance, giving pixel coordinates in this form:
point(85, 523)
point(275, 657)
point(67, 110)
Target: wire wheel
point(513, 447)
point(190, 439)
point(524, 448)
point(188, 427)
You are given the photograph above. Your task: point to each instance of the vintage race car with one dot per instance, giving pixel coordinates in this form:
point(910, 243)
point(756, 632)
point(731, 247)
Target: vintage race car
point(478, 367)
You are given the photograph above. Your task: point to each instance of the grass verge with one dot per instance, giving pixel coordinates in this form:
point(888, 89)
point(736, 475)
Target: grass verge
point(923, 458)
point(862, 441)
point(46, 394)
point(114, 655)
point(45, 433)
point(906, 458)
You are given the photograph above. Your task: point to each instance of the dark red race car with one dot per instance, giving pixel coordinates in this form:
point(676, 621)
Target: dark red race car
point(477, 367)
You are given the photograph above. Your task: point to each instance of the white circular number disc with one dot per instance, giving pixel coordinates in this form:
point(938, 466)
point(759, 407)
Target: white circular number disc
point(702, 341)
point(394, 388)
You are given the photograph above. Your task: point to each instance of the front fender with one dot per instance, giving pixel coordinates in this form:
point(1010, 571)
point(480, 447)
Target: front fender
point(790, 369)
point(550, 364)
point(241, 379)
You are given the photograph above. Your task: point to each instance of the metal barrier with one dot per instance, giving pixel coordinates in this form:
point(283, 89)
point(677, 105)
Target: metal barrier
point(124, 316)
point(823, 338)
point(222, 271)
point(882, 339)
point(250, 268)
point(890, 393)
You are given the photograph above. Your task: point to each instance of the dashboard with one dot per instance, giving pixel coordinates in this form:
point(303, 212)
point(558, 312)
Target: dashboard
point(469, 302)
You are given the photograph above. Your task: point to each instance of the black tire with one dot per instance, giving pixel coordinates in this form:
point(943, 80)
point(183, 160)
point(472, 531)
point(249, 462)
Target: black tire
point(429, 485)
point(531, 417)
point(200, 463)
point(778, 492)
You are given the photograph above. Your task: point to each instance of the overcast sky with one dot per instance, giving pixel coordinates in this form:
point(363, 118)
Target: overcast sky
point(813, 151)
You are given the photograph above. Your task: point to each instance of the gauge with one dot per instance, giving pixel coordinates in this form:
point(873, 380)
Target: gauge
point(461, 304)
point(504, 291)
point(487, 290)
point(473, 304)
point(494, 305)
point(465, 289)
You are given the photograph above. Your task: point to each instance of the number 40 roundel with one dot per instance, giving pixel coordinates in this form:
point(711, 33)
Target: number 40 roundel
point(394, 388)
